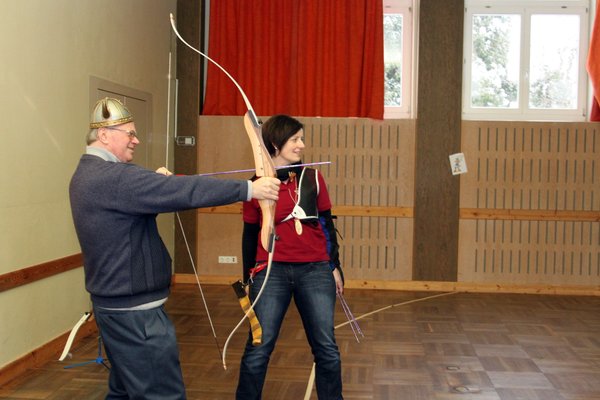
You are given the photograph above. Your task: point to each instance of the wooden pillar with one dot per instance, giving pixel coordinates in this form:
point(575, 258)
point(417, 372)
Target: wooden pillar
point(188, 110)
point(435, 248)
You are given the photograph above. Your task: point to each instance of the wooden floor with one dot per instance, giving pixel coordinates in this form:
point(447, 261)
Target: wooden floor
point(456, 346)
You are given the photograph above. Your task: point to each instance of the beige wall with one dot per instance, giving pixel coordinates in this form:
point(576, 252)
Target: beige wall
point(49, 50)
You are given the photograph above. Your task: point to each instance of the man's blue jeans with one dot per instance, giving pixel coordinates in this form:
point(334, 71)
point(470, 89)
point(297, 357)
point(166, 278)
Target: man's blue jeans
point(142, 349)
point(313, 288)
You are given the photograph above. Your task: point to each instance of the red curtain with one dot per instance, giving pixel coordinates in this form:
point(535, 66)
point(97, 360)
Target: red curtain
point(593, 65)
point(297, 57)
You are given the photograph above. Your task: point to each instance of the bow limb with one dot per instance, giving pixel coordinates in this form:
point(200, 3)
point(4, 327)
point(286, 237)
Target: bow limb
point(246, 101)
point(264, 167)
point(185, 240)
point(262, 160)
point(71, 338)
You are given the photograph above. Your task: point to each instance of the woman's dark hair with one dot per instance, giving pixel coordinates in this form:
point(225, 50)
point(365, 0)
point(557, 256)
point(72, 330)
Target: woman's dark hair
point(277, 131)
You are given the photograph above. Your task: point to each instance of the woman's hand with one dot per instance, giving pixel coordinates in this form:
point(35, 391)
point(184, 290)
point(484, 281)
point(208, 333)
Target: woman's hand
point(339, 283)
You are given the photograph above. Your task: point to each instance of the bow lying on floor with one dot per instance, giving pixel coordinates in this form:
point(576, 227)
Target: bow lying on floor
point(311, 378)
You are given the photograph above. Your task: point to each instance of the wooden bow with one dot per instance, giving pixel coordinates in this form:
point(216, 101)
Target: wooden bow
point(264, 168)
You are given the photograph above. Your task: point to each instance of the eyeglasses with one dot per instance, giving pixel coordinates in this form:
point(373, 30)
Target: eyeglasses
point(131, 134)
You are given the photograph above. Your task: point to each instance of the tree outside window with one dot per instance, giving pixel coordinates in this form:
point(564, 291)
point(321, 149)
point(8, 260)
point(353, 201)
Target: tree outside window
point(398, 47)
point(525, 62)
point(392, 32)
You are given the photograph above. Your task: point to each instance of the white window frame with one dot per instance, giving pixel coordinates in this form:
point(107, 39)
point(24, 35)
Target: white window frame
point(407, 8)
point(526, 8)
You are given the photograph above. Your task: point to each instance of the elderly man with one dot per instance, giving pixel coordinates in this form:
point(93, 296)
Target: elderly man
point(127, 267)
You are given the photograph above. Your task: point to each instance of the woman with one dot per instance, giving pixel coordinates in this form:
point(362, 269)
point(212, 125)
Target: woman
point(305, 265)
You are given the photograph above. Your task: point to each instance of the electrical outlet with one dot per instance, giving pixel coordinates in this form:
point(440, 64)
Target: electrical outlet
point(185, 140)
point(227, 260)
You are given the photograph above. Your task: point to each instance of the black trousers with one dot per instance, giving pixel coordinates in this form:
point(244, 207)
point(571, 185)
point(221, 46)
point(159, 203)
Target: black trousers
point(142, 349)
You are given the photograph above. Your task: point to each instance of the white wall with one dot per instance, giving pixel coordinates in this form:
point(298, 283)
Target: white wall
point(49, 50)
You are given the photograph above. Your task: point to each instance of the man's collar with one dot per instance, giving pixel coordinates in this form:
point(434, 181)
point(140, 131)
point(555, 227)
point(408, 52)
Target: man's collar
point(102, 153)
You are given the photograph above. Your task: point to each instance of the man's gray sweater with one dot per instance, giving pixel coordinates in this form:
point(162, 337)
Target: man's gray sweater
point(114, 208)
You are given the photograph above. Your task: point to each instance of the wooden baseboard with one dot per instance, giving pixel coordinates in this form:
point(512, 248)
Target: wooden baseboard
point(429, 286)
point(205, 279)
point(44, 270)
point(43, 354)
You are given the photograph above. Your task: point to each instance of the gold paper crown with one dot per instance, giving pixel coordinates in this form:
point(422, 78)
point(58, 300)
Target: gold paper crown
point(109, 112)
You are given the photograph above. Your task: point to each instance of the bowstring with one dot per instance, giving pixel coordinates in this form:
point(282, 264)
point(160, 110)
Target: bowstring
point(187, 246)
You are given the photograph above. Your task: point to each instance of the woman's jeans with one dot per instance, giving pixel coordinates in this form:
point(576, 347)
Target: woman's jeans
point(313, 288)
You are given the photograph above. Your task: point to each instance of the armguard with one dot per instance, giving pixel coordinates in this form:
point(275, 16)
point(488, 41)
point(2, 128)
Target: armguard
point(249, 245)
point(326, 221)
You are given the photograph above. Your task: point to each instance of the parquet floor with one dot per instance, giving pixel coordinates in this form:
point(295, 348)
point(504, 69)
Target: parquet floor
point(457, 346)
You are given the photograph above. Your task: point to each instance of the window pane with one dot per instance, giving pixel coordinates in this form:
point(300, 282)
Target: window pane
point(392, 42)
point(495, 61)
point(554, 62)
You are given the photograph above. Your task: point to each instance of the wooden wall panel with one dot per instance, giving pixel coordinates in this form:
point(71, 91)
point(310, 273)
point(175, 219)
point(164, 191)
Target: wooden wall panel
point(220, 235)
point(530, 252)
point(223, 145)
point(376, 248)
point(372, 166)
point(372, 161)
point(531, 166)
point(506, 235)
point(549, 170)
point(370, 181)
